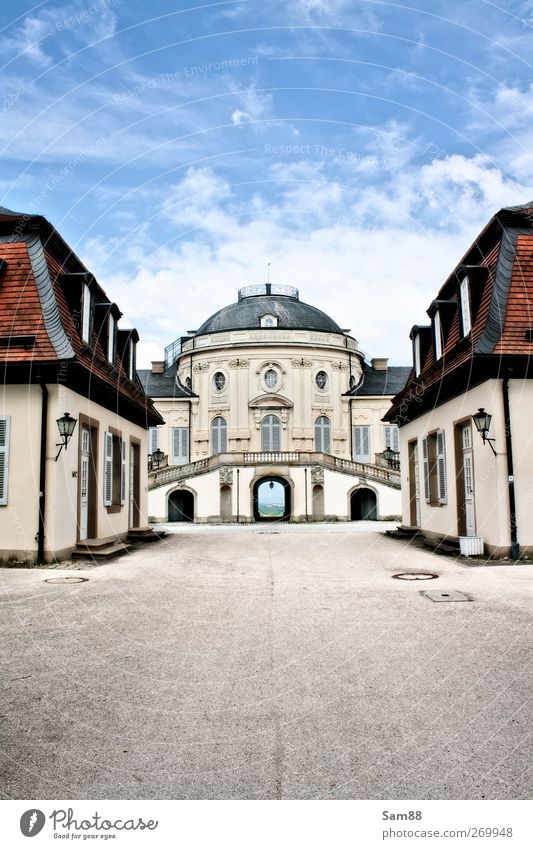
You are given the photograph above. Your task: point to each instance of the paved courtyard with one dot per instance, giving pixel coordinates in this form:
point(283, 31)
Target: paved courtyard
point(267, 662)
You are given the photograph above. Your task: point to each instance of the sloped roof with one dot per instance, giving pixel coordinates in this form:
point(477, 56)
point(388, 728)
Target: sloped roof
point(165, 385)
point(381, 382)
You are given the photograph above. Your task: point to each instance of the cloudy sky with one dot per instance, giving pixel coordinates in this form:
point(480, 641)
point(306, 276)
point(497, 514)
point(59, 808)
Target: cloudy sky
point(359, 146)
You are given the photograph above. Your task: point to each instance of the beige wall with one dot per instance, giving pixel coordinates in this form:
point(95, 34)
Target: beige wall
point(19, 519)
point(490, 472)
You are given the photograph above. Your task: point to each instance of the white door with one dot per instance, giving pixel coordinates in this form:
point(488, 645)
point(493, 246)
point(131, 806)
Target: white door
point(417, 484)
point(132, 486)
point(84, 487)
point(468, 478)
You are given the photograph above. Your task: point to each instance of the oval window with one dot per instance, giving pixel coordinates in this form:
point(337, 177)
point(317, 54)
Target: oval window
point(271, 378)
point(219, 381)
point(321, 380)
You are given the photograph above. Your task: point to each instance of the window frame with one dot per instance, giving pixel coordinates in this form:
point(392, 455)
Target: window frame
point(438, 338)
point(362, 457)
point(417, 355)
point(219, 425)
point(326, 383)
point(323, 434)
point(271, 370)
point(111, 338)
point(466, 306)
point(391, 430)
point(86, 314)
point(180, 458)
point(271, 426)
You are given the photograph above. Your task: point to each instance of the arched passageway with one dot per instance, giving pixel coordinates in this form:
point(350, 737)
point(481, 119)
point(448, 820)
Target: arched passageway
point(181, 506)
point(272, 499)
point(363, 505)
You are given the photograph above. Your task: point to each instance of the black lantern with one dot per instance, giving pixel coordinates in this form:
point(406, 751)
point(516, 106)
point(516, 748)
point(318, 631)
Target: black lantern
point(157, 458)
point(482, 421)
point(65, 425)
point(391, 457)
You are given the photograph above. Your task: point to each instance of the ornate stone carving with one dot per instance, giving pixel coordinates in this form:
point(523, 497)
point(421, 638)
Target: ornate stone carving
point(339, 366)
point(257, 419)
point(284, 418)
point(199, 367)
point(301, 363)
point(239, 363)
point(226, 476)
point(317, 474)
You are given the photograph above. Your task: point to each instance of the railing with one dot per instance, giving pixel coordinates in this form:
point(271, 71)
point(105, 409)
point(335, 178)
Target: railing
point(268, 289)
point(172, 352)
point(253, 458)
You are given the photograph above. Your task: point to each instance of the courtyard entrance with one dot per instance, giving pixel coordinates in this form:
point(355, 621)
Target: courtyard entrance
point(272, 500)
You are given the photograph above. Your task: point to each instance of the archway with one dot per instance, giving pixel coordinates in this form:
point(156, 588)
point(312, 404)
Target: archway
point(272, 499)
point(318, 501)
point(225, 503)
point(181, 506)
point(363, 505)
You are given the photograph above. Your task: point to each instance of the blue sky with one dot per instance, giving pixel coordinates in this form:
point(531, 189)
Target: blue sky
point(358, 146)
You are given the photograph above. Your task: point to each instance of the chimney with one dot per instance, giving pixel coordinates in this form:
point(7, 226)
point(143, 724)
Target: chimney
point(158, 366)
point(380, 363)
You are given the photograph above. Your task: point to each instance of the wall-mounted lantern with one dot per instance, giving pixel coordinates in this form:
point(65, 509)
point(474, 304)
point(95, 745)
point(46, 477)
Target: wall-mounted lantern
point(482, 421)
point(392, 458)
point(65, 425)
point(157, 458)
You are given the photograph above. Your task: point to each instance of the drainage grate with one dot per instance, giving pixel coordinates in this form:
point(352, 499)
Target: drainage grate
point(415, 576)
point(65, 579)
point(451, 595)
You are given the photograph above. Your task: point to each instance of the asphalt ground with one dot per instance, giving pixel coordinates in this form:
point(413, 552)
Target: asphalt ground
point(267, 662)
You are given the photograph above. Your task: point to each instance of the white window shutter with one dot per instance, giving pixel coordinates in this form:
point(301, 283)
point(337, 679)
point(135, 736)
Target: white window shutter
point(362, 443)
point(123, 473)
point(153, 439)
point(86, 314)
point(392, 437)
point(441, 468)
point(425, 457)
point(108, 469)
point(4, 457)
point(466, 316)
point(180, 445)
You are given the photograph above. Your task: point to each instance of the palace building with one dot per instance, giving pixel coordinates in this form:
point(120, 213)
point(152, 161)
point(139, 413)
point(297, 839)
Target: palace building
point(271, 412)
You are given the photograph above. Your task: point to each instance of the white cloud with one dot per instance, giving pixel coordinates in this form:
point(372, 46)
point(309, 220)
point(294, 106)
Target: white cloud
point(27, 40)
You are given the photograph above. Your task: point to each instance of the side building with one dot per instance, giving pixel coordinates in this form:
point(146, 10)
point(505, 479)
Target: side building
point(465, 437)
point(73, 416)
point(271, 412)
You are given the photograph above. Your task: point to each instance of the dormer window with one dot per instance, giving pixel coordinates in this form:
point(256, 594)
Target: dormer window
point(111, 338)
point(131, 360)
point(86, 314)
point(416, 355)
point(269, 321)
point(437, 333)
point(466, 315)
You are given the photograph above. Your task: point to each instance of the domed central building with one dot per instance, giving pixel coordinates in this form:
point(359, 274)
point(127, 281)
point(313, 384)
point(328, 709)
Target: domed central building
point(271, 412)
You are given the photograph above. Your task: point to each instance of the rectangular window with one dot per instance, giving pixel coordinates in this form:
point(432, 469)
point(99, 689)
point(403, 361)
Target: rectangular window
point(361, 443)
point(416, 355)
point(434, 460)
point(180, 446)
point(114, 470)
point(437, 331)
point(392, 437)
point(4, 457)
point(466, 316)
point(153, 439)
point(86, 314)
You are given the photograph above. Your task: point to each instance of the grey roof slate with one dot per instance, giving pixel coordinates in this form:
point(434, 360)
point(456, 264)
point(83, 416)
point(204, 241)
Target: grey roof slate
point(163, 385)
point(292, 314)
point(381, 382)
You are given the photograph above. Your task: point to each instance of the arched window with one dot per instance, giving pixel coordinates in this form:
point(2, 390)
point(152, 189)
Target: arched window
point(270, 434)
point(219, 435)
point(323, 435)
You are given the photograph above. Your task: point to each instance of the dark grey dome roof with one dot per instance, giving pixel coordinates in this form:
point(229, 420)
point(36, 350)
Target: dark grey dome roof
point(246, 314)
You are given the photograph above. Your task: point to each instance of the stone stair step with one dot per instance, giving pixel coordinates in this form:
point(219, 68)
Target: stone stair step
point(146, 534)
point(105, 552)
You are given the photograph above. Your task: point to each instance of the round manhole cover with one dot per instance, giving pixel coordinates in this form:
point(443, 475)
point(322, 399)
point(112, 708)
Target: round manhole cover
point(66, 579)
point(415, 576)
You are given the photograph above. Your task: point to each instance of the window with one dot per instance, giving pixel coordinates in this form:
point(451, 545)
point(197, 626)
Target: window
point(153, 439)
point(219, 435)
point(269, 321)
point(114, 470)
point(321, 380)
point(180, 445)
point(270, 434)
point(466, 316)
point(86, 314)
point(392, 437)
point(437, 331)
point(434, 460)
point(361, 443)
point(131, 361)
point(271, 378)
point(323, 435)
point(4, 457)
point(219, 381)
point(416, 355)
point(111, 337)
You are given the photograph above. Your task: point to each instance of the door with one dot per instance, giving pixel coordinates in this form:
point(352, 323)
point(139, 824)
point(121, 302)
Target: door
point(468, 481)
point(84, 484)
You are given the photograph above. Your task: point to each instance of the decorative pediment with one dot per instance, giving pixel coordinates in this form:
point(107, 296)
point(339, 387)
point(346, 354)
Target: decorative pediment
point(271, 401)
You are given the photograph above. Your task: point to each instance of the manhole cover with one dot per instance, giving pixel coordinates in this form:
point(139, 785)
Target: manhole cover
point(66, 579)
point(450, 595)
point(415, 576)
